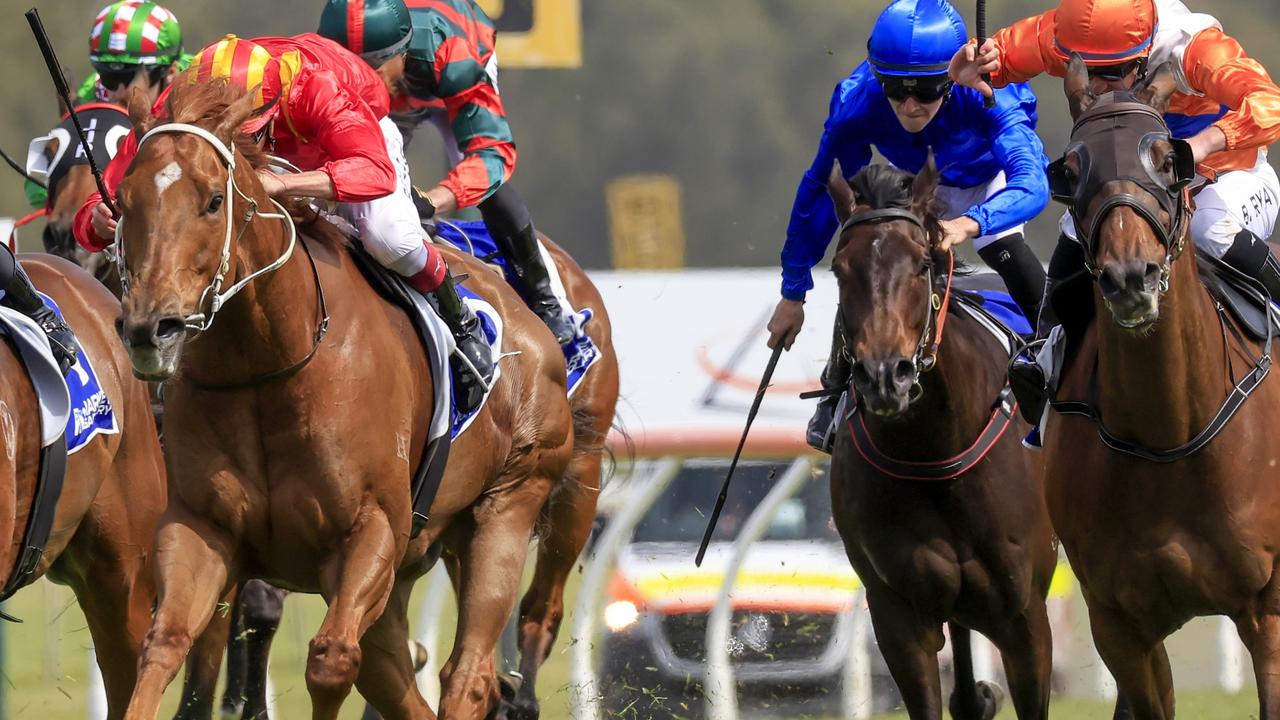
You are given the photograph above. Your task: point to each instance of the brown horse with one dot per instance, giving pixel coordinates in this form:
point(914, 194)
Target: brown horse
point(299, 473)
point(1156, 543)
point(965, 543)
point(114, 492)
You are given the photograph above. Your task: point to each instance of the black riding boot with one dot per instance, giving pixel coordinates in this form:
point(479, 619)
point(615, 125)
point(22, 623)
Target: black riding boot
point(1020, 270)
point(1252, 256)
point(835, 375)
point(1026, 377)
point(21, 295)
point(533, 282)
point(472, 364)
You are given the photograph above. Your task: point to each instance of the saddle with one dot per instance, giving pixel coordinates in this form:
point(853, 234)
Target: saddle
point(1242, 296)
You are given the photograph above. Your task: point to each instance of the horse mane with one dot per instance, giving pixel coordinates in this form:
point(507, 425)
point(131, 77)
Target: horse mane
point(204, 104)
point(883, 187)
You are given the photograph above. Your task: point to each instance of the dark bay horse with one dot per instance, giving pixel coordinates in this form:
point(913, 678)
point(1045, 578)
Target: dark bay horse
point(300, 473)
point(972, 550)
point(114, 492)
point(1156, 542)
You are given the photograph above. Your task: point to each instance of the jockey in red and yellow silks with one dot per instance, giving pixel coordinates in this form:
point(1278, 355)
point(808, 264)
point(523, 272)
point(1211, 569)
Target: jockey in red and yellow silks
point(324, 110)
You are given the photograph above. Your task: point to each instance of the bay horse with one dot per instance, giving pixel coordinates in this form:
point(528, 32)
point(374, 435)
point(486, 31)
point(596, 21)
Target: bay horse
point(964, 542)
point(1192, 528)
point(291, 452)
point(114, 490)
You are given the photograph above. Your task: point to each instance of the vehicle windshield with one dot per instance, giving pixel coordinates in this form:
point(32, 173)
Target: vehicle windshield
point(681, 514)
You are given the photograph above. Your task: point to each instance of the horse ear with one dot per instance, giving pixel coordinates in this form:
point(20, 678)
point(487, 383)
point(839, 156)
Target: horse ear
point(924, 187)
point(1159, 88)
point(140, 112)
point(1079, 96)
point(236, 115)
point(841, 193)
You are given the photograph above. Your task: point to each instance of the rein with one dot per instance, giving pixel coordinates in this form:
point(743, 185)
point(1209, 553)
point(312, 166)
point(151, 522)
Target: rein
point(925, 359)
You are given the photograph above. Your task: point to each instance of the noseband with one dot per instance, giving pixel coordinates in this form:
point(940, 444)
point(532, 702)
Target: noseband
point(198, 322)
point(935, 318)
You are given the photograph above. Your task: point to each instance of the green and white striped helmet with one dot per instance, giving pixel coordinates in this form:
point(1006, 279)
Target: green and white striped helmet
point(134, 32)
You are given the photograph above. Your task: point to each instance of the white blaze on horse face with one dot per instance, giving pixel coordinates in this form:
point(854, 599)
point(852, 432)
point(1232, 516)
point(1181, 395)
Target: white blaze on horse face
point(169, 175)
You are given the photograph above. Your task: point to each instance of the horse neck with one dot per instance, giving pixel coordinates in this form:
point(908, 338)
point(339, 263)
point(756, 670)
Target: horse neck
point(267, 325)
point(956, 400)
point(1161, 385)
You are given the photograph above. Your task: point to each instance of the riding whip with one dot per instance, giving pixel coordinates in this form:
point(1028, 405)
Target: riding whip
point(989, 102)
point(751, 416)
point(19, 168)
point(64, 92)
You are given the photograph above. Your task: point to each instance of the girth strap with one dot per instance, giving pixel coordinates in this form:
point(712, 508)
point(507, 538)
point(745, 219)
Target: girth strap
point(44, 506)
point(1001, 417)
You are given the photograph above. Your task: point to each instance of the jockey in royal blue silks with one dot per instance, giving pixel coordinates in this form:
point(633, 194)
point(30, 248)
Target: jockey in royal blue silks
point(902, 102)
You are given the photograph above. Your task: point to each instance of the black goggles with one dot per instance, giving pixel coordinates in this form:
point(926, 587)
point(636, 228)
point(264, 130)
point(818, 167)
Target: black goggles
point(926, 89)
point(1116, 73)
point(115, 78)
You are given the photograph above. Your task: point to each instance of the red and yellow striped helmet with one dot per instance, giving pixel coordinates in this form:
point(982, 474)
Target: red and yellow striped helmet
point(1105, 32)
point(246, 65)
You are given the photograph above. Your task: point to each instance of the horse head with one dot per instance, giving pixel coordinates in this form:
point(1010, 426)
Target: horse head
point(1124, 178)
point(887, 265)
point(186, 203)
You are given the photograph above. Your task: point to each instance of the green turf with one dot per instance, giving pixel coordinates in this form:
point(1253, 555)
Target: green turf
point(45, 662)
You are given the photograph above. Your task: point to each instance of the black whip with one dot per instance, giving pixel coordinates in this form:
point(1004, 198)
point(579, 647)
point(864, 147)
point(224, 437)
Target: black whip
point(724, 489)
point(64, 92)
point(20, 169)
point(982, 38)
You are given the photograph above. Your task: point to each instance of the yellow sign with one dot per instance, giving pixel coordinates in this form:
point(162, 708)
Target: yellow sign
point(537, 33)
point(645, 225)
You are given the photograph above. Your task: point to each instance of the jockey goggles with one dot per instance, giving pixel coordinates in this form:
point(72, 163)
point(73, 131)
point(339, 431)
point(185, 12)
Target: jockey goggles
point(112, 78)
point(926, 89)
point(1116, 73)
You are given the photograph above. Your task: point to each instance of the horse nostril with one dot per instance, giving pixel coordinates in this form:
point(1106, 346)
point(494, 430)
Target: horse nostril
point(120, 326)
point(1151, 280)
point(861, 375)
point(168, 327)
point(1111, 281)
point(904, 371)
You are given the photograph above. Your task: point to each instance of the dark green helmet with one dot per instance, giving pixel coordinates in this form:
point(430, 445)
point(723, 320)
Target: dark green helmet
point(376, 30)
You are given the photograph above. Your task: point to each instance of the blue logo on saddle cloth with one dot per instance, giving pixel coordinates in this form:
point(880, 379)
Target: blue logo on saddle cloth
point(91, 411)
point(473, 237)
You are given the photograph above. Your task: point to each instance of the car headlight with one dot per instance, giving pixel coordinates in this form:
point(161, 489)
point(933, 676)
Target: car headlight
point(620, 615)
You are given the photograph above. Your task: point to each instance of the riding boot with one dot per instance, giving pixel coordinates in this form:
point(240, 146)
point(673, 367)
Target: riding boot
point(533, 282)
point(835, 377)
point(1021, 271)
point(21, 295)
point(1027, 378)
point(472, 363)
point(1252, 256)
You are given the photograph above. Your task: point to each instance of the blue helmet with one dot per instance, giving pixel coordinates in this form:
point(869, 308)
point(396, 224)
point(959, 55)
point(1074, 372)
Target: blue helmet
point(914, 38)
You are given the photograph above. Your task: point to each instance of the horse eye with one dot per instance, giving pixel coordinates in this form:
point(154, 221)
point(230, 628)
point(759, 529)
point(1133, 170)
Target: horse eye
point(925, 266)
point(215, 203)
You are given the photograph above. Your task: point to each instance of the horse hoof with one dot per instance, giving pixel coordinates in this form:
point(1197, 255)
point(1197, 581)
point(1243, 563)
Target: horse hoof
point(233, 712)
point(992, 697)
point(418, 654)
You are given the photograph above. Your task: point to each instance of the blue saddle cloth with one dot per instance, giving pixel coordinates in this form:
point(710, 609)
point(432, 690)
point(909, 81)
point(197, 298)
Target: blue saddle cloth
point(91, 411)
point(1004, 309)
point(474, 238)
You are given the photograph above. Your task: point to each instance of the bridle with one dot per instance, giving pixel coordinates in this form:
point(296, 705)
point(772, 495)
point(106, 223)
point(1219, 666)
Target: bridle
point(925, 357)
point(213, 294)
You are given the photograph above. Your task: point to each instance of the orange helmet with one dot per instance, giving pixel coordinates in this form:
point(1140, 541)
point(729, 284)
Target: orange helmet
point(1105, 32)
point(246, 65)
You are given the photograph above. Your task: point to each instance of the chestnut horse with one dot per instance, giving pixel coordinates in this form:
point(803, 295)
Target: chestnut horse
point(299, 472)
point(1157, 541)
point(114, 492)
point(965, 543)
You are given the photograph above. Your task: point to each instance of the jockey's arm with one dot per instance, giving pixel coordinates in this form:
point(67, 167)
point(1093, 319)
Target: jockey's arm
point(1217, 65)
point(1021, 155)
point(93, 234)
point(358, 168)
point(1013, 54)
point(813, 218)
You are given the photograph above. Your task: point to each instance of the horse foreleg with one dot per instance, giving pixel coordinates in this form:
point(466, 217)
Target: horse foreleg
point(1026, 650)
point(261, 607)
point(911, 652)
point(571, 511)
point(386, 671)
point(491, 561)
point(116, 600)
point(200, 684)
point(1139, 665)
point(193, 564)
point(1260, 632)
point(356, 583)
